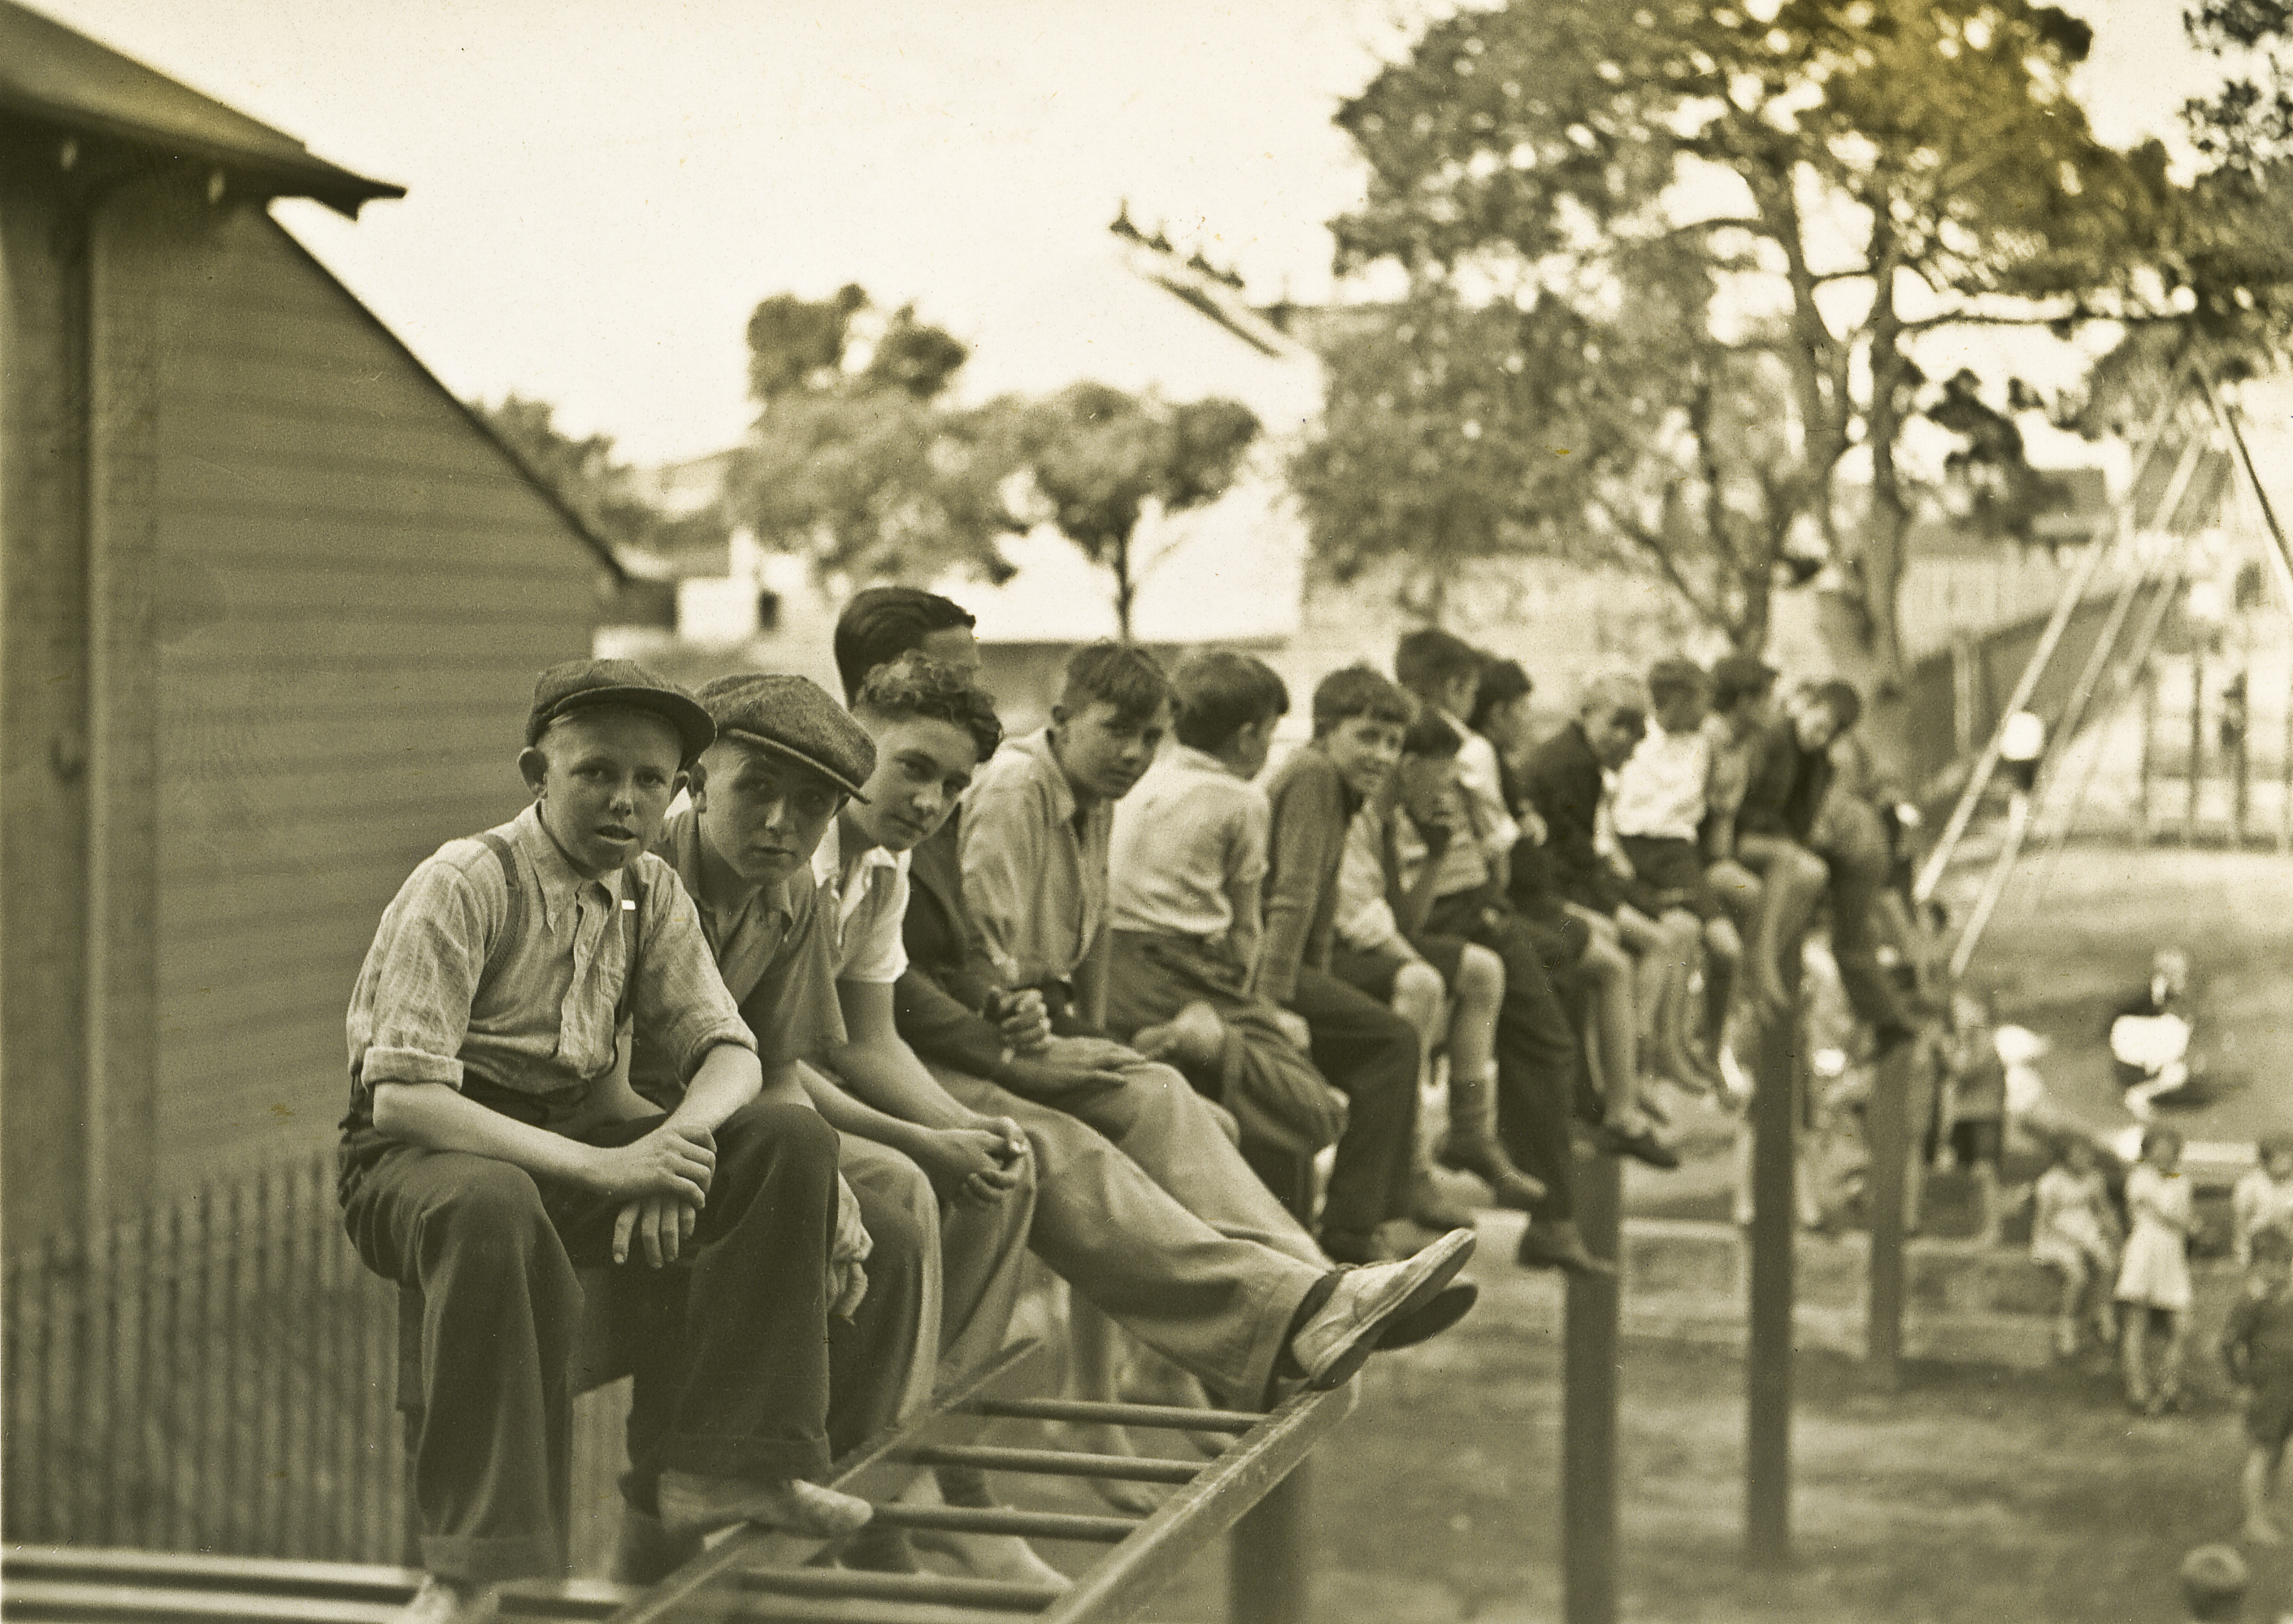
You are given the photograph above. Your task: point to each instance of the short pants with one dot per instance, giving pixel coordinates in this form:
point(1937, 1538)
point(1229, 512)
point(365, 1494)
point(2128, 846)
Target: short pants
point(2269, 1415)
point(1669, 873)
point(1374, 970)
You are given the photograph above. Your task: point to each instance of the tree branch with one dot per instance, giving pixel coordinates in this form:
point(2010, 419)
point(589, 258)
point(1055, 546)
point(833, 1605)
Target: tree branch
point(1654, 546)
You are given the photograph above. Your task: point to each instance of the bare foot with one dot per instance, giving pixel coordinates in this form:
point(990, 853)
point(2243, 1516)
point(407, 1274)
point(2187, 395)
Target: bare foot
point(692, 1504)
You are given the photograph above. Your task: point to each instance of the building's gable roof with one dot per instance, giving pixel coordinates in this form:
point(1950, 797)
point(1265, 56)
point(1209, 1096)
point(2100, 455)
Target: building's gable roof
point(53, 76)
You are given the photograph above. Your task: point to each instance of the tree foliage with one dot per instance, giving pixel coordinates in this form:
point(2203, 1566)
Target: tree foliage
point(1810, 184)
point(858, 462)
point(585, 476)
point(1101, 461)
point(855, 461)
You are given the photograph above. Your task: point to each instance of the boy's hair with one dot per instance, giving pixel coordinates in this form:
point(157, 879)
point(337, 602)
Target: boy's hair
point(2157, 1133)
point(917, 685)
point(1219, 693)
point(1503, 681)
point(1737, 678)
point(1668, 678)
point(1118, 674)
point(2270, 1245)
point(882, 623)
point(2279, 1143)
point(1429, 660)
point(1430, 735)
point(2212, 1583)
point(1616, 691)
point(1360, 690)
point(1845, 704)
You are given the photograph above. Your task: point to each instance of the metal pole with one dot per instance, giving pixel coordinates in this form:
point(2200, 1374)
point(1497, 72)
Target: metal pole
point(1267, 1577)
point(2073, 594)
point(1994, 884)
point(1887, 1123)
point(1775, 1223)
point(2281, 555)
point(1588, 1438)
point(2285, 782)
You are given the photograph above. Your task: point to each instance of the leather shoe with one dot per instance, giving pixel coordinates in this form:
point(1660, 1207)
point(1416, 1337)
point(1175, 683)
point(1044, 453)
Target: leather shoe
point(1641, 1145)
point(1335, 1341)
point(1443, 1309)
point(1557, 1246)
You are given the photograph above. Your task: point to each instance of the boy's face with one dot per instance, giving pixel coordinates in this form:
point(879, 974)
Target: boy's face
point(1103, 753)
point(1426, 788)
point(1459, 692)
point(1613, 733)
point(604, 779)
point(1253, 743)
point(1680, 710)
point(1812, 719)
point(1365, 749)
point(761, 812)
point(2269, 1276)
point(1507, 726)
point(922, 765)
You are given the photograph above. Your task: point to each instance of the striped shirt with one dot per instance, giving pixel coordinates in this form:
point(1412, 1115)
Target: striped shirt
point(1034, 865)
point(448, 988)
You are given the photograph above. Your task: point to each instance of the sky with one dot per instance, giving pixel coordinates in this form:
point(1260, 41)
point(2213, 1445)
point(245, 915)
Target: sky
point(600, 191)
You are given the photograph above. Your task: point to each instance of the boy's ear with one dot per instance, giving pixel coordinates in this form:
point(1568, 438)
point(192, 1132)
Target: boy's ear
point(1058, 715)
point(694, 781)
point(533, 767)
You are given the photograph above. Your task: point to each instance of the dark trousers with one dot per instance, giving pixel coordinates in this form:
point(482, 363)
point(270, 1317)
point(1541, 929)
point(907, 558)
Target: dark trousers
point(1853, 848)
point(732, 1375)
point(1369, 1054)
point(1536, 1049)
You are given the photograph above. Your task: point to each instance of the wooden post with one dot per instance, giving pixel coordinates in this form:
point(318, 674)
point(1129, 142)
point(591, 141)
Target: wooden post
point(2149, 752)
point(2285, 781)
point(1267, 1577)
point(1776, 1109)
point(1588, 1439)
point(1887, 1126)
point(2197, 741)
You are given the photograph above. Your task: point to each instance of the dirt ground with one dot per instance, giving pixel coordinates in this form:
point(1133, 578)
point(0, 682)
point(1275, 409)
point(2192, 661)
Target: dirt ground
point(1970, 1495)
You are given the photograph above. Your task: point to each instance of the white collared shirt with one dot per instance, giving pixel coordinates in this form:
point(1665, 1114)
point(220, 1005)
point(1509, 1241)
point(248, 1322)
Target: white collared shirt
point(863, 911)
point(1660, 792)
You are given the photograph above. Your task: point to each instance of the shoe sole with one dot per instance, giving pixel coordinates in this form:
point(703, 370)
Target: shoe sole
point(1446, 1256)
point(1447, 1306)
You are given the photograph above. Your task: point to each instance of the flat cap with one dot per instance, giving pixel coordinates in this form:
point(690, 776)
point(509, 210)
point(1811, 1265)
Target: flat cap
point(795, 717)
point(579, 685)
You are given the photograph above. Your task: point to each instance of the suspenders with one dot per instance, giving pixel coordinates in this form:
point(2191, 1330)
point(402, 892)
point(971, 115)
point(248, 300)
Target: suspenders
point(631, 917)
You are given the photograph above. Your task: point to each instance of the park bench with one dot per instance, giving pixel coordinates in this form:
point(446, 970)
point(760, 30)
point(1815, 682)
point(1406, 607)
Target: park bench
point(1251, 1487)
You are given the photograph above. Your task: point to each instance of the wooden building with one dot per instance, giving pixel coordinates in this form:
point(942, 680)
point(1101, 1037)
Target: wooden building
point(274, 603)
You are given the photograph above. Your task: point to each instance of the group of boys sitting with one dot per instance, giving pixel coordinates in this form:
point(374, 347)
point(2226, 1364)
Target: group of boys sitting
point(814, 1059)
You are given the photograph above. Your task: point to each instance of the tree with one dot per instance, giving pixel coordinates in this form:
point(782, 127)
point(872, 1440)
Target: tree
point(1102, 460)
point(584, 475)
point(1845, 174)
point(855, 462)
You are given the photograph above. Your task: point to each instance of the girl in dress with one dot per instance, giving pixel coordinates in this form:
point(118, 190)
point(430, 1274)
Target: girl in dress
point(2075, 1234)
point(2263, 1197)
point(2154, 1282)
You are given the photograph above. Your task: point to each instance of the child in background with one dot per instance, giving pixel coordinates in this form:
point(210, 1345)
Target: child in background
point(2154, 1277)
point(2213, 1585)
point(2257, 1346)
point(2074, 1232)
point(2263, 1197)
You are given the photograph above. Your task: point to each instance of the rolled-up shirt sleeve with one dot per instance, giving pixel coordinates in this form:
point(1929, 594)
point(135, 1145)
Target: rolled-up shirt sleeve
point(681, 1004)
point(410, 1007)
point(1004, 856)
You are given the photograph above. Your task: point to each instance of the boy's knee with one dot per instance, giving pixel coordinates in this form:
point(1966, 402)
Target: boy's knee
point(1480, 974)
point(797, 1137)
point(1417, 991)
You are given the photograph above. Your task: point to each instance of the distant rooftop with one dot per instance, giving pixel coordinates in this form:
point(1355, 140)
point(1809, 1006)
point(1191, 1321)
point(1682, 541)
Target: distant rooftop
point(54, 78)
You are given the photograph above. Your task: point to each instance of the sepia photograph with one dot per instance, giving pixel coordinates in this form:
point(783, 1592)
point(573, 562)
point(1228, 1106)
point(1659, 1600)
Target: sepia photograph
point(1208, 811)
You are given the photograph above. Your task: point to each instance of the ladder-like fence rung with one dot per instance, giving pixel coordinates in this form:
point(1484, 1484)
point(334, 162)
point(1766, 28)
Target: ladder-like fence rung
point(1057, 1463)
point(24, 1601)
point(935, 1587)
point(1003, 1520)
point(1175, 1417)
point(825, 1610)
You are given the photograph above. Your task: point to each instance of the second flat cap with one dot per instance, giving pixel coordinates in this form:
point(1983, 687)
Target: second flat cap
point(794, 717)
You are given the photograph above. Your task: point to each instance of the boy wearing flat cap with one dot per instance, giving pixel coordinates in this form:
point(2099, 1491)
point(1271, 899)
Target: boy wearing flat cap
point(795, 955)
point(490, 1147)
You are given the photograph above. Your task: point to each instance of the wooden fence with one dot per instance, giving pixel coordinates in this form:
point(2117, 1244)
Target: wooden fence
point(216, 1375)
